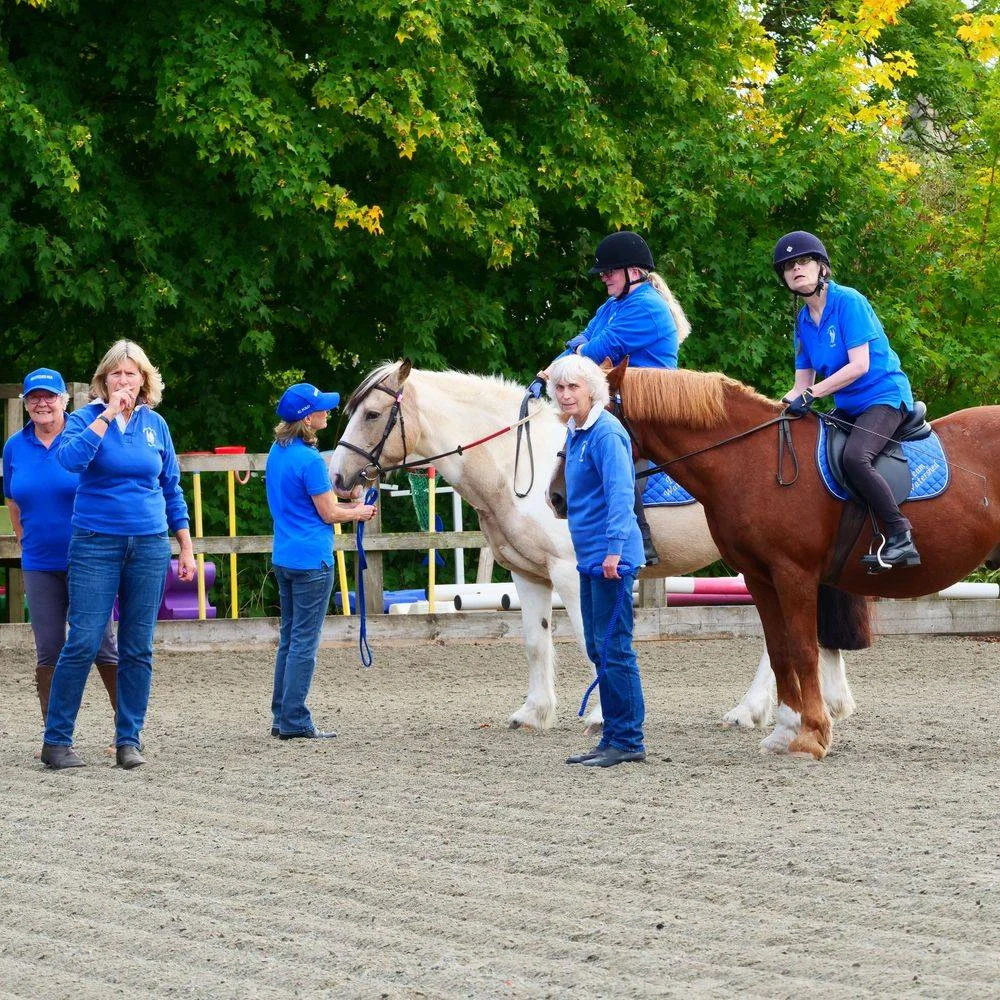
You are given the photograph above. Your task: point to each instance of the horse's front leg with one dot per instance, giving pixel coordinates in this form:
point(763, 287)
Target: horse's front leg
point(757, 706)
point(566, 580)
point(539, 708)
point(786, 716)
point(798, 605)
point(836, 690)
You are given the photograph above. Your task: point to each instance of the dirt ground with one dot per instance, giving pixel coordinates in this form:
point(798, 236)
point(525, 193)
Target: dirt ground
point(431, 852)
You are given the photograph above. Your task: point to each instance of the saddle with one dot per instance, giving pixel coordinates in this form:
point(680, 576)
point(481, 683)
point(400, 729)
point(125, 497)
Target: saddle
point(912, 463)
point(892, 463)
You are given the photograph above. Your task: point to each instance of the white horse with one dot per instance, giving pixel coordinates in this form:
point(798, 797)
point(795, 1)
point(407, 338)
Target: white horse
point(437, 411)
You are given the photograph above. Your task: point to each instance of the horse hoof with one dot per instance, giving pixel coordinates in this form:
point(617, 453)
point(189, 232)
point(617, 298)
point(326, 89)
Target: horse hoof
point(807, 745)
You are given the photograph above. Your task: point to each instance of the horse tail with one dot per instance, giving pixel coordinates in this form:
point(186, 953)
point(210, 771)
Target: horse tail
point(680, 320)
point(843, 621)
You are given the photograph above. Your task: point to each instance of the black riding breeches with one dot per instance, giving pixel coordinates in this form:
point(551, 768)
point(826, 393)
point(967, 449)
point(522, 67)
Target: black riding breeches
point(868, 437)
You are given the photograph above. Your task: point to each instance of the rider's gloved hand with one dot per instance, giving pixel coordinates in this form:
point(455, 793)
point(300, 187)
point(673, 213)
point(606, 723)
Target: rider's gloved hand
point(574, 342)
point(801, 404)
point(536, 388)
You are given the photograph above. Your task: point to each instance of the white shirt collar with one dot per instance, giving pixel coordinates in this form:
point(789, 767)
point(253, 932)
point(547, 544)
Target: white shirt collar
point(595, 411)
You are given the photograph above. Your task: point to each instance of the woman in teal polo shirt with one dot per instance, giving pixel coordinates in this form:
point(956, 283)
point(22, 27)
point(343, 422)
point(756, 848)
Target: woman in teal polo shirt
point(842, 350)
point(304, 509)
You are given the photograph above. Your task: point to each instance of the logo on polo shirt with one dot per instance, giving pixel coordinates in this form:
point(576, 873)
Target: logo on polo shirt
point(150, 437)
point(832, 334)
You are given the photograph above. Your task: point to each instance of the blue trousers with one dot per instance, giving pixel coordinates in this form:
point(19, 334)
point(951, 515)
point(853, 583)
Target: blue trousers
point(305, 597)
point(621, 689)
point(100, 566)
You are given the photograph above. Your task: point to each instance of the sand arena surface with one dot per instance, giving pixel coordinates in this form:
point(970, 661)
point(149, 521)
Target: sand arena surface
point(431, 852)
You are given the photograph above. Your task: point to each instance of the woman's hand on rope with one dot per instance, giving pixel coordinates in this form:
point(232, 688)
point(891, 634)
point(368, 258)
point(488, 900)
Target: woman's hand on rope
point(610, 567)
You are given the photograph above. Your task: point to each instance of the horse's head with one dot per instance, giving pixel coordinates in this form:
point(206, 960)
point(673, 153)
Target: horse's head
point(375, 438)
point(992, 561)
point(556, 493)
point(616, 375)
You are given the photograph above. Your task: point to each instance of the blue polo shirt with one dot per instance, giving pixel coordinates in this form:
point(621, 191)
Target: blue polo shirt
point(848, 321)
point(640, 325)
point(43, 491)
point(295, 473)
point(130, 479)
point(600, 492)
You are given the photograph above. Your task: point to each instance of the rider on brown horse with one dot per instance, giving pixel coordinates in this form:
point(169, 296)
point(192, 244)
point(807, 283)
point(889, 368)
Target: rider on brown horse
point(842, 350)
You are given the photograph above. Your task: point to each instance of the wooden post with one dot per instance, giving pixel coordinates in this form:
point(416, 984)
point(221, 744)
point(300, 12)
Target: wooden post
point(652, 592)
point(484, 571)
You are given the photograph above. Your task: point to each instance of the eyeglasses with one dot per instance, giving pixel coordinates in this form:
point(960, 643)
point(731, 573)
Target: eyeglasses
point(797, 261)
point(35, 398)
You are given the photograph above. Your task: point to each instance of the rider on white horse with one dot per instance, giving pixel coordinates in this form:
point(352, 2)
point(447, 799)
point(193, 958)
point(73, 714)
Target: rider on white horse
point(641, 319)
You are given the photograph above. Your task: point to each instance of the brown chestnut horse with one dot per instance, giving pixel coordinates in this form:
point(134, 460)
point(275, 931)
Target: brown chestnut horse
point(781, 537)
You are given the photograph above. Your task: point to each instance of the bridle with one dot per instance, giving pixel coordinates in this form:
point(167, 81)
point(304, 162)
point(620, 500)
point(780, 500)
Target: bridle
point(373, 457)
point(375, 470)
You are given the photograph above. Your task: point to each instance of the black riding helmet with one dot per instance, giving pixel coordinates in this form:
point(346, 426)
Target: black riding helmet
point(623, 249)
point(798, 244)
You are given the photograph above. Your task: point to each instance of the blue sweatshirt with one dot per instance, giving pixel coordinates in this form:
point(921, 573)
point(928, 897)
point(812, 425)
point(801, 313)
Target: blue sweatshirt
point(43, 491)
point(600, 492)
point(295, 473)
point(640, 325)
point(130, 481)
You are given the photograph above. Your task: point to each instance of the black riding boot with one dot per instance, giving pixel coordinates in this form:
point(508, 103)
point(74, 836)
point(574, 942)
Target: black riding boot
point(900, 551)
point(648, 548)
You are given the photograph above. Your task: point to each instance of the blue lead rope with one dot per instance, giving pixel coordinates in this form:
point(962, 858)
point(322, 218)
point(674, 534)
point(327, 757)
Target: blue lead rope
point(625, 571)
point(365, 650)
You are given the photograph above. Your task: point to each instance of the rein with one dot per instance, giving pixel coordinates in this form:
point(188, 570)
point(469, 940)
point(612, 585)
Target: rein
point(784, 441)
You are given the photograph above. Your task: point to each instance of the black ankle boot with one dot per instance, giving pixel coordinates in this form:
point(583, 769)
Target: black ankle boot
point(900, 551)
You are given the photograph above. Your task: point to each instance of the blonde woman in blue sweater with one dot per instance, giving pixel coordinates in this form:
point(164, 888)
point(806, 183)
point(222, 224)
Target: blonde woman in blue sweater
point(128, 498)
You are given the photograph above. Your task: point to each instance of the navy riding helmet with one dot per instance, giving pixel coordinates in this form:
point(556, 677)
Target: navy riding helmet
point(797, 244)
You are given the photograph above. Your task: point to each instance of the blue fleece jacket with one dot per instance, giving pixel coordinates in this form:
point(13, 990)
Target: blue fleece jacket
point(43, 491)
point(130, 481)
point(640, 325)
point(600, 492)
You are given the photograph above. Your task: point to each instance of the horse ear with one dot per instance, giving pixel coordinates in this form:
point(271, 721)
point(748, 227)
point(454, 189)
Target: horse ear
point(617, 374)
point(404, 370)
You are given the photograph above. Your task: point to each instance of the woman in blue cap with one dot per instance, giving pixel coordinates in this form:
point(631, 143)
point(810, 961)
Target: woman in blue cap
point(304, 509)
point(842, 350)
point(40, 494)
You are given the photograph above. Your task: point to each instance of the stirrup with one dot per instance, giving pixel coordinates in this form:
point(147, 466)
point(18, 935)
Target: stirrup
point(873, 561)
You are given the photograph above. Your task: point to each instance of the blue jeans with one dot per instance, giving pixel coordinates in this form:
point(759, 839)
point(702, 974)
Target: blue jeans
point(135, 568)
point(305, 596)
point(621, 690)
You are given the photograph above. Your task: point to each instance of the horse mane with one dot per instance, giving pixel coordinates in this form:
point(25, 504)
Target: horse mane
point(465, 386)
point(372, 379)
point(691, 399)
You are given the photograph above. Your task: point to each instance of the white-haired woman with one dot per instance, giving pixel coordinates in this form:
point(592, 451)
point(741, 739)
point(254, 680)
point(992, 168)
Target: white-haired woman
point(600, 484)
point(40, 494)
point(128, 498)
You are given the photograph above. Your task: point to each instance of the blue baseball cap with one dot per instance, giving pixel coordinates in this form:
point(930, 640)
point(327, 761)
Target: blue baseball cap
point(302, 399)
point(43, 378)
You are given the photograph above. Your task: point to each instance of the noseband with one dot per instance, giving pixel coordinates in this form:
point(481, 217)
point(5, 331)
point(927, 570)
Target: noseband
point(373, 456)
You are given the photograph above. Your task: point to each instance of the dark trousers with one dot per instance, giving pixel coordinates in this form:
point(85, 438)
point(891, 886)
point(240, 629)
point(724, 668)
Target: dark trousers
point(869, 436)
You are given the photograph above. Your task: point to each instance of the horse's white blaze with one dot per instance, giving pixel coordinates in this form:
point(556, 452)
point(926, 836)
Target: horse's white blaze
point(787, 724)
point(442, 410)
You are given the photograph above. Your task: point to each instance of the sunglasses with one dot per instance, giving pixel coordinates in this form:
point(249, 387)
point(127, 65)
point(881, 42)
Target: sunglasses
point(797, 261)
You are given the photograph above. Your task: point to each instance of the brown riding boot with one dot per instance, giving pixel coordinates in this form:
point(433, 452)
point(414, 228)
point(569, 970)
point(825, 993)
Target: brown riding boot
point(109, 674)
point(43, 684)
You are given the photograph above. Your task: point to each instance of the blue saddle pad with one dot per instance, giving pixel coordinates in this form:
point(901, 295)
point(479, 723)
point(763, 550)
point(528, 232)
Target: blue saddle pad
point(662, 491)
point(928, 467)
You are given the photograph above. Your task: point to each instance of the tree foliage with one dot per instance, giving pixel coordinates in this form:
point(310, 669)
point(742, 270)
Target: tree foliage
point(260, 191)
